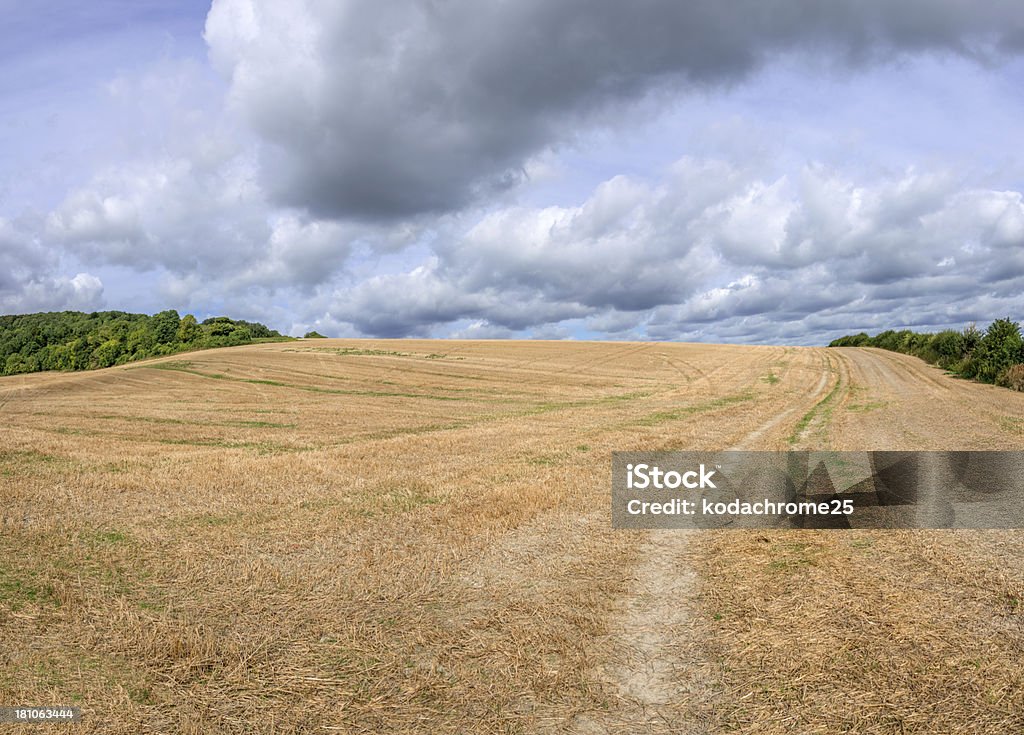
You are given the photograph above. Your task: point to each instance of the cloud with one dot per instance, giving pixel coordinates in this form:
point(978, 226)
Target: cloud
point(673, 259)
point(385, 110)
point(82, 292)
point(29, 277)
point(198, 218)
point(172, 212)
point(441, 167)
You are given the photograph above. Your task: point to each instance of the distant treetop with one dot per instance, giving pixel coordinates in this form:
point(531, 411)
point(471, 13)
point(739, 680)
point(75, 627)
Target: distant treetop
point(73, 340)
point(313, 335)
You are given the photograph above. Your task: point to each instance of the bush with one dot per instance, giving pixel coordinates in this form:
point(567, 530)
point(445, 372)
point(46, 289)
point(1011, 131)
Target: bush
point(999, 349)
point(313, 335)
point(966, 367)
point(971, 339)
point(993, 356)
point(1012, 377)
point(948, 346)
point(851, 340)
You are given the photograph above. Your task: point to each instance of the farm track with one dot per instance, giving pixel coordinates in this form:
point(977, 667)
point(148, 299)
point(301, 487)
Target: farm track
point(319, 544)
point(654, 673)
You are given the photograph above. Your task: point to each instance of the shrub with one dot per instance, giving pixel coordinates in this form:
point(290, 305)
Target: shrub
point(966, 367)
point(1012, 377)
point(887, 340)
point(851, 340)
point(999, 349)
point(948, 346)
point(971, 339)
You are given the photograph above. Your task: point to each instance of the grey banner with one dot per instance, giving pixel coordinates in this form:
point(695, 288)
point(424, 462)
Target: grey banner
point(742, 489)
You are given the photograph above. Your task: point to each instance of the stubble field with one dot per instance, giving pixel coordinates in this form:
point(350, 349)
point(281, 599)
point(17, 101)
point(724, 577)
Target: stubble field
point(413, 536)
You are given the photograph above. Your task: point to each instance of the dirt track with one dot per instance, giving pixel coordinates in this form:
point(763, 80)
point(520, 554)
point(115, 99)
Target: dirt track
point(413, 537)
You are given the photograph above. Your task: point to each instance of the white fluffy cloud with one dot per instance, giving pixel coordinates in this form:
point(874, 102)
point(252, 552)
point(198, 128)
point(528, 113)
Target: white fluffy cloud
point(29, 278)
point(752, 260)
point(474, 169)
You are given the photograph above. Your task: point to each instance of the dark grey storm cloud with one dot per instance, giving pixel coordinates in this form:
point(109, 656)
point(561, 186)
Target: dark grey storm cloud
point(376, 110)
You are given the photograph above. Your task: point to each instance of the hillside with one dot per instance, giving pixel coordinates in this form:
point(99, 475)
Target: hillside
point(414, 536)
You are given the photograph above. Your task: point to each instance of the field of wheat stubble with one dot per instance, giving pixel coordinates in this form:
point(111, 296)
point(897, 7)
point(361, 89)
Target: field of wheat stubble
point(414, 536)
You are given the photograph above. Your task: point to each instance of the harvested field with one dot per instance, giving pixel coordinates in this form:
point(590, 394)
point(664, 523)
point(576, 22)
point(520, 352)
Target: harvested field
point(413, 536)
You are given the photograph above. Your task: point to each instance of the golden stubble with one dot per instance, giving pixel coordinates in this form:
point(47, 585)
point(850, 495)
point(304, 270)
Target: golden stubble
point(413, 536)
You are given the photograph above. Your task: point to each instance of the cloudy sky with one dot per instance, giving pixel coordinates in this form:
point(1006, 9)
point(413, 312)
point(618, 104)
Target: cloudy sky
point(777, 171)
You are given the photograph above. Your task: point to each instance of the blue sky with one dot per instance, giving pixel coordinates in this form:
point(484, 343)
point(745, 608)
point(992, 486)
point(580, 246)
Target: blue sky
point(700, 171)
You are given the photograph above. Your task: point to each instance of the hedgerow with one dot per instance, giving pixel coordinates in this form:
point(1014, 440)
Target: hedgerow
point(993, 356)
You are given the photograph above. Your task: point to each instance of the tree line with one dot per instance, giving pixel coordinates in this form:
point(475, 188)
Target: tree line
point(74, 340)
point(995, 355)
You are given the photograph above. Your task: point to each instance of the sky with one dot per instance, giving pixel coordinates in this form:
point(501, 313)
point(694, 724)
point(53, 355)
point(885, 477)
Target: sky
point(753, 171)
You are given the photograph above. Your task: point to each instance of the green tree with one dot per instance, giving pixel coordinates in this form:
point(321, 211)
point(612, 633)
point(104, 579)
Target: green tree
point(948, 346)
point(189, 330)
point(106, 354)
point(165, 326)
point(999, 349)
point(218, 326)
point(140, 341)
point(73, 340)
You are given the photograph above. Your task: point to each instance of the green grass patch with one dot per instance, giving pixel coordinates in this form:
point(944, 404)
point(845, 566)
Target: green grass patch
point(141, 695)
point(28, 456)
point(1012, 424)
point(106, 537)
point(542, 460)
point(405, 431)
point(260, 424)
point(215, 520)
point(361, 352)
point(661, 417)
point(368, 352)
point(822, 409)
point(121, 467)
point(794, 557)
point(408, 499)
point(20, 590)
point(310, 388)
point(148, 419)
point(16, 462)
point(865, 407)
point(169, 365)
point(258, 447)
point(253, 424)
point(75, 431)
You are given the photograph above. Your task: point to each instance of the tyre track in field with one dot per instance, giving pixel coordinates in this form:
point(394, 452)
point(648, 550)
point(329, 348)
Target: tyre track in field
point(814, 424)
point(657, 676)
point(691, 373)
point(898, 401)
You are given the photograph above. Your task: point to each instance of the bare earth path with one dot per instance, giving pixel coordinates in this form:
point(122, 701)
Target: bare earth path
point(354, 536)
